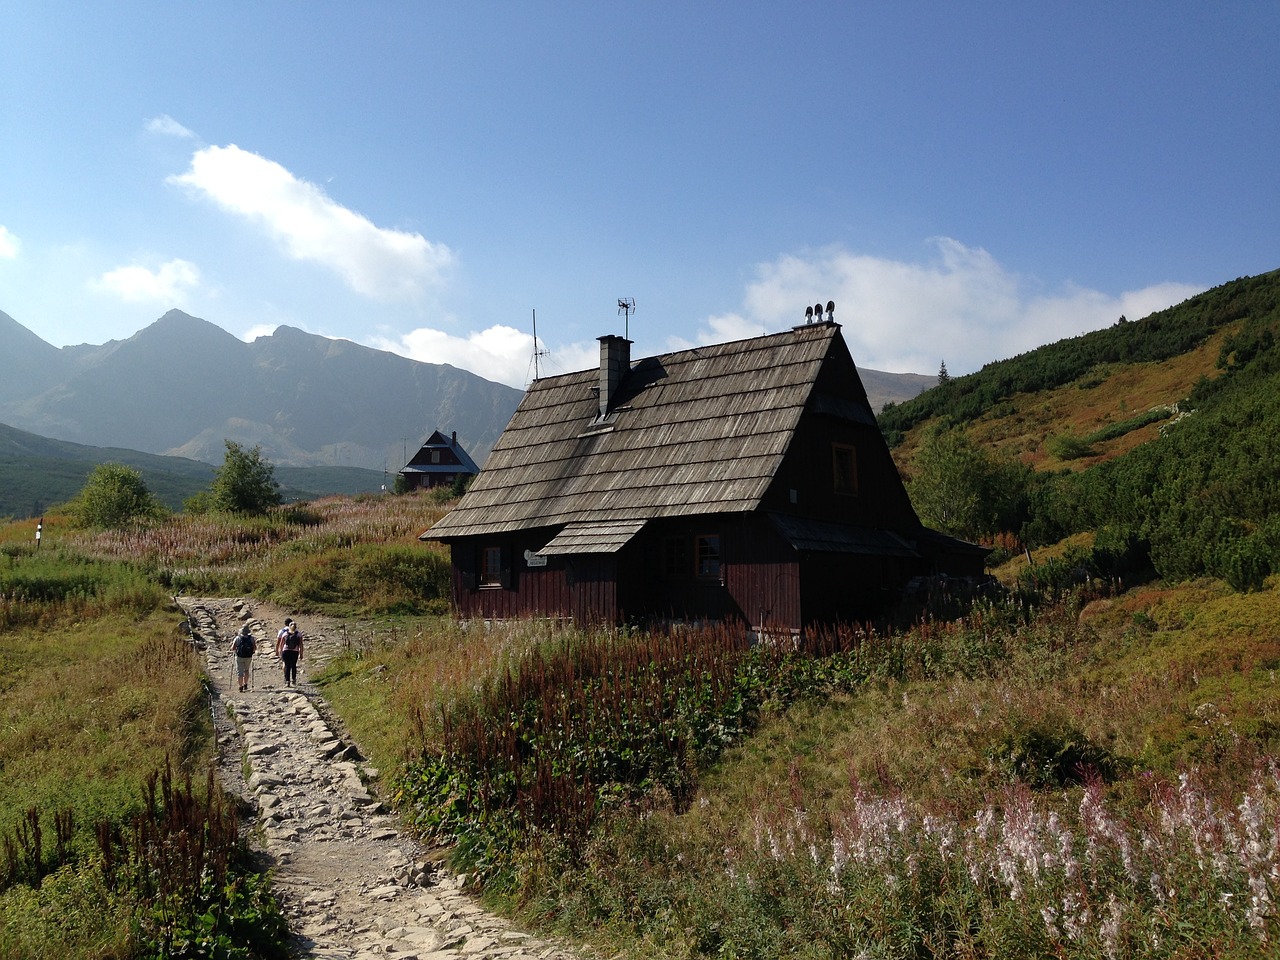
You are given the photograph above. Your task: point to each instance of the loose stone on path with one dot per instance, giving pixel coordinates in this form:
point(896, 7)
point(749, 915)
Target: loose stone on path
point(353, 886)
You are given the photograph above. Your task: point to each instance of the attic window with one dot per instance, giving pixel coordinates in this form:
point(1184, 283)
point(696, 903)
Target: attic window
point(844, 469)
point(435, 456)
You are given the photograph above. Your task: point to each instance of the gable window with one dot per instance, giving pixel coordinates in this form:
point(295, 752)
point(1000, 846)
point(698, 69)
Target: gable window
point(844, 469)
point(707, 555)
point(435, 456)
point(491, 567)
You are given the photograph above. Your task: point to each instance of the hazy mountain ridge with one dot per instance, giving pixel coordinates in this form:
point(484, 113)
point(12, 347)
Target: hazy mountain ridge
point(182, 385)
point(37, 472)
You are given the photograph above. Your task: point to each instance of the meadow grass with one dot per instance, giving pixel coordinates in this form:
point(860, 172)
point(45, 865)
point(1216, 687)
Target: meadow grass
point(1021, 786)
point(1093, 778)
point(341, 555)
point(102, 703)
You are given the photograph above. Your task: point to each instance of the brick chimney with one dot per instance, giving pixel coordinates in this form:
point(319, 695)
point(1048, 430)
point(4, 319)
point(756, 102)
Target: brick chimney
point(615, 362)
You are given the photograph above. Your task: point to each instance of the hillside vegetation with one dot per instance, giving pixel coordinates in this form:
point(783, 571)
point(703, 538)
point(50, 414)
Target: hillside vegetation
point(1151, 434)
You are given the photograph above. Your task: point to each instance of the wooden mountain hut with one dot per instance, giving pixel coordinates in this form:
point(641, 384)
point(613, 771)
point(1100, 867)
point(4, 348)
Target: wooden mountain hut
point(744, 481)
point(438, 463)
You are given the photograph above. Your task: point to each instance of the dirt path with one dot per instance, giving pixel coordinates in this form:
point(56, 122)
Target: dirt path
point(353, 885)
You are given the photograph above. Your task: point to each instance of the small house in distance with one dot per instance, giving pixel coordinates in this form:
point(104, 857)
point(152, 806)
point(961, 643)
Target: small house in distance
point(439, 463)
point(743, 482)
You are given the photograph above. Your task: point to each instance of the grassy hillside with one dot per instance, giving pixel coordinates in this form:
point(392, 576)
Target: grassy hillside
point(37, 473)
point(1090, 359)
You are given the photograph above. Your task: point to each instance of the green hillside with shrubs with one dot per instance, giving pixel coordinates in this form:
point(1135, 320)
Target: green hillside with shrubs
point(1156, 436)
point(1083, 764)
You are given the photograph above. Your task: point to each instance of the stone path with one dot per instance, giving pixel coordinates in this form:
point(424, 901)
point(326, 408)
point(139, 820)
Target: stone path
point(352, 885)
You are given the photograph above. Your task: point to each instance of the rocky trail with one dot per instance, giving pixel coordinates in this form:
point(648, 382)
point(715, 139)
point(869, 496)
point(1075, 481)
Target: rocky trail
point(353, 885)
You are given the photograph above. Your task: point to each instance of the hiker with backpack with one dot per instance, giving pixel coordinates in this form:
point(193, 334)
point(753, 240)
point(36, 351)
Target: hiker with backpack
point(244, 647)
point(289, 649)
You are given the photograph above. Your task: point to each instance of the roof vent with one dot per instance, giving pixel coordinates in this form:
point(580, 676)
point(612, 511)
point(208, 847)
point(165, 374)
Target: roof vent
point(814, 314)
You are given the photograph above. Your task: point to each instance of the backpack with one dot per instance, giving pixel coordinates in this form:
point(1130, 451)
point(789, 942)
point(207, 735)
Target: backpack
point(245, 646)
point(292, 640)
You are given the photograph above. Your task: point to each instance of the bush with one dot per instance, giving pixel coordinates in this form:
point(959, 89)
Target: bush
point(1050, 757)
point(115, 496)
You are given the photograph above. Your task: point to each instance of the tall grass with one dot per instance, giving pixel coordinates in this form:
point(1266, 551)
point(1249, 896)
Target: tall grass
point(586, 722)
point(342, 554)
point(102, 854)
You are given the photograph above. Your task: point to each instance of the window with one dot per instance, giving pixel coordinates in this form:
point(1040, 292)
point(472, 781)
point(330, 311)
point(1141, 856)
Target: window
point(708, 556)
point(491, 567)
point(844, 469)
point(435, 456)
point(675, 558)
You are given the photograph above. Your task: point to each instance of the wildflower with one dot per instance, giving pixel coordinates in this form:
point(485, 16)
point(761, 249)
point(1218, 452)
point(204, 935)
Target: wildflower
point(1109, 929)
point(1050, 916)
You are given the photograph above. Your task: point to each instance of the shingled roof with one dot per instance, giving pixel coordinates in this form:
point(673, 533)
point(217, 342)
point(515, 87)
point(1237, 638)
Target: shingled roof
point(694, 432)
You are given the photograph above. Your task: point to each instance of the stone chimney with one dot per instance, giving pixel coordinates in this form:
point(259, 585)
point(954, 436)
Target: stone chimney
point(615, 362)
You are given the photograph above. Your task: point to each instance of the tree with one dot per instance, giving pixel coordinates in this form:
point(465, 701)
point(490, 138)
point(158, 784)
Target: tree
point(114, 496)
point(963, 490)
point(245, 483)
point(943, 377)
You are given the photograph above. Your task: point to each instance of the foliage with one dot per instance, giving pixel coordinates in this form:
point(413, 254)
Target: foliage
point(182, 862)
point(113, 496)
point(1201, 496)
point(245, 483)
point(963, 490)
point(579, 728)
point(1043, 756)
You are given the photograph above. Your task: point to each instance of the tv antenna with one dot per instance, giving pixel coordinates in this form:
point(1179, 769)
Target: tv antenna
point(626, 307)
point(536, 352)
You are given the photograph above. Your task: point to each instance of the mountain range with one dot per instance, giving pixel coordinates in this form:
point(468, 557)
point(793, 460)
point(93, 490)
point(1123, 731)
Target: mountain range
point(182, 385)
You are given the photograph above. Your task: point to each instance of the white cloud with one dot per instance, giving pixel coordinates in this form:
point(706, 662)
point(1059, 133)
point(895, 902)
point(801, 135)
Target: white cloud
point(168, 284)
point(10, 245)
point(258, 330)
point(166, 126)
point(499, 353)
point(308, 225)
point(961, 307)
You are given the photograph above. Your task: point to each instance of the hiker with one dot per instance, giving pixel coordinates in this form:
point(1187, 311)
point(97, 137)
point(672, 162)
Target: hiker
point(244, 647)
point(289, 649)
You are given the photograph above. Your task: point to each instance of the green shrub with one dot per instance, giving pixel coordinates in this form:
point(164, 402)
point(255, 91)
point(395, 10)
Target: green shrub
point(1050, 757)
point(114, 496)
point(1064, 446)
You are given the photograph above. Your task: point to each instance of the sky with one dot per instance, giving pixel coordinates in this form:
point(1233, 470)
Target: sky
point(966, 181)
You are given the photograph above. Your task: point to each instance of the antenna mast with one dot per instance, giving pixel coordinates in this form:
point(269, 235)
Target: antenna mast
point(626, 307)
point(536, 352)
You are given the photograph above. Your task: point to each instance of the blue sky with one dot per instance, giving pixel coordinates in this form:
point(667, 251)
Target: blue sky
point(966, 180)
